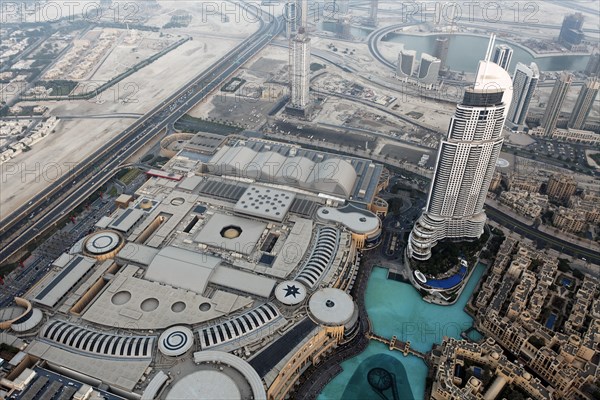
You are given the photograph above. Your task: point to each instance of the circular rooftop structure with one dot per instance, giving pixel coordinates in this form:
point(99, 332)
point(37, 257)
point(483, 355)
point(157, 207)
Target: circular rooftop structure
point(147, 204)
point(103, 244)
point(175, 341)
point(332, 307)
point(218, 375)
point(20, 318)
point(172, 144)
point(231, 232)
point(502, 163)
point(28, 322)
point(290, 293)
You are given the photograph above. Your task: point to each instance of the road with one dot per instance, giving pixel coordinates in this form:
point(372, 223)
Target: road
point(542, 238)
point(376, 36)
point(24, 278)
point(65, 194)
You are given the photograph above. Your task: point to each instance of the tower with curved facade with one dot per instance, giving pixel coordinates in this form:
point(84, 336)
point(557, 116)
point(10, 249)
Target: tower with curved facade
point(466, 163)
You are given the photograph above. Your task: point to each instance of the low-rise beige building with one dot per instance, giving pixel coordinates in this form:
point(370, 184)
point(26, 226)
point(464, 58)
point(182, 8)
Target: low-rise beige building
point(570, 220)
point(524, 182)
point(589, 203)
point(529, 204)
point(514, 307)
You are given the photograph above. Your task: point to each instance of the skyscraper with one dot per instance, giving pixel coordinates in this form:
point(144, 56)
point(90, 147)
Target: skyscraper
point(373, 11)
point(555, 103)
point(525, 81)
point(300, 70)
point(442, 44)
point(503, 55)
point(571, 31)
point(593, 66)
point(300, 64)
point(406, 63)
point(584, 103)
point(466, 163)
point(292, 19)
point(429, 70)
point(296, 15)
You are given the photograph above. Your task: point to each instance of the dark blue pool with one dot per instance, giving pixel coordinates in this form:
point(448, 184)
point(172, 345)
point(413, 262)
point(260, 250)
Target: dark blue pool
point(550, 322)
point(449, 282)
point(566, 282)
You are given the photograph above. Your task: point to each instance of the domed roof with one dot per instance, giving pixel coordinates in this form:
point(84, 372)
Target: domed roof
point(102, 242)
point(331, 306)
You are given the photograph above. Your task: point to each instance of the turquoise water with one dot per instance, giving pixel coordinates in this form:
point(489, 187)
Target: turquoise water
point(396, 308)
point(475, 336)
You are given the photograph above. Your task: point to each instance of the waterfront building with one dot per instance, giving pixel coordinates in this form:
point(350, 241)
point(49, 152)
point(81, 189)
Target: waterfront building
point(406, 63)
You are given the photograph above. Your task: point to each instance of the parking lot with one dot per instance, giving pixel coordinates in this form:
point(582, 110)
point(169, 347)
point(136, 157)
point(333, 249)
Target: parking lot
point(569, 153)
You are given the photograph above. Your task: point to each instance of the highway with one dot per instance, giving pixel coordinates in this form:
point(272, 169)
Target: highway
point(61, 196)
point(542, 238)
point(377, 35)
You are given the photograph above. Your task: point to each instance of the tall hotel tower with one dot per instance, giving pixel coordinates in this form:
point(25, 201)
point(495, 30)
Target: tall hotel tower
point(300, 66)
point(466, 163)
point(525, 81)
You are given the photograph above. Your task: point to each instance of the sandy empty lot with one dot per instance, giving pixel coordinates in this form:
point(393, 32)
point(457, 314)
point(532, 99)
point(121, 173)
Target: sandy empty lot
point(74, 139)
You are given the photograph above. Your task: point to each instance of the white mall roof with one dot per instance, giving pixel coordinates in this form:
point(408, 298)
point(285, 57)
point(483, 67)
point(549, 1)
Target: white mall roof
point(190, 183)
point(104, 222)
point(357, 220)
point(242, 366)
point(102, 242)
point(243, 281)
point(127, 219)
point(182, 268)
point(34, 319)
point(137, 254)
point(251, 230)
point(265, 202)
point(205, 385)
point(61, 283)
